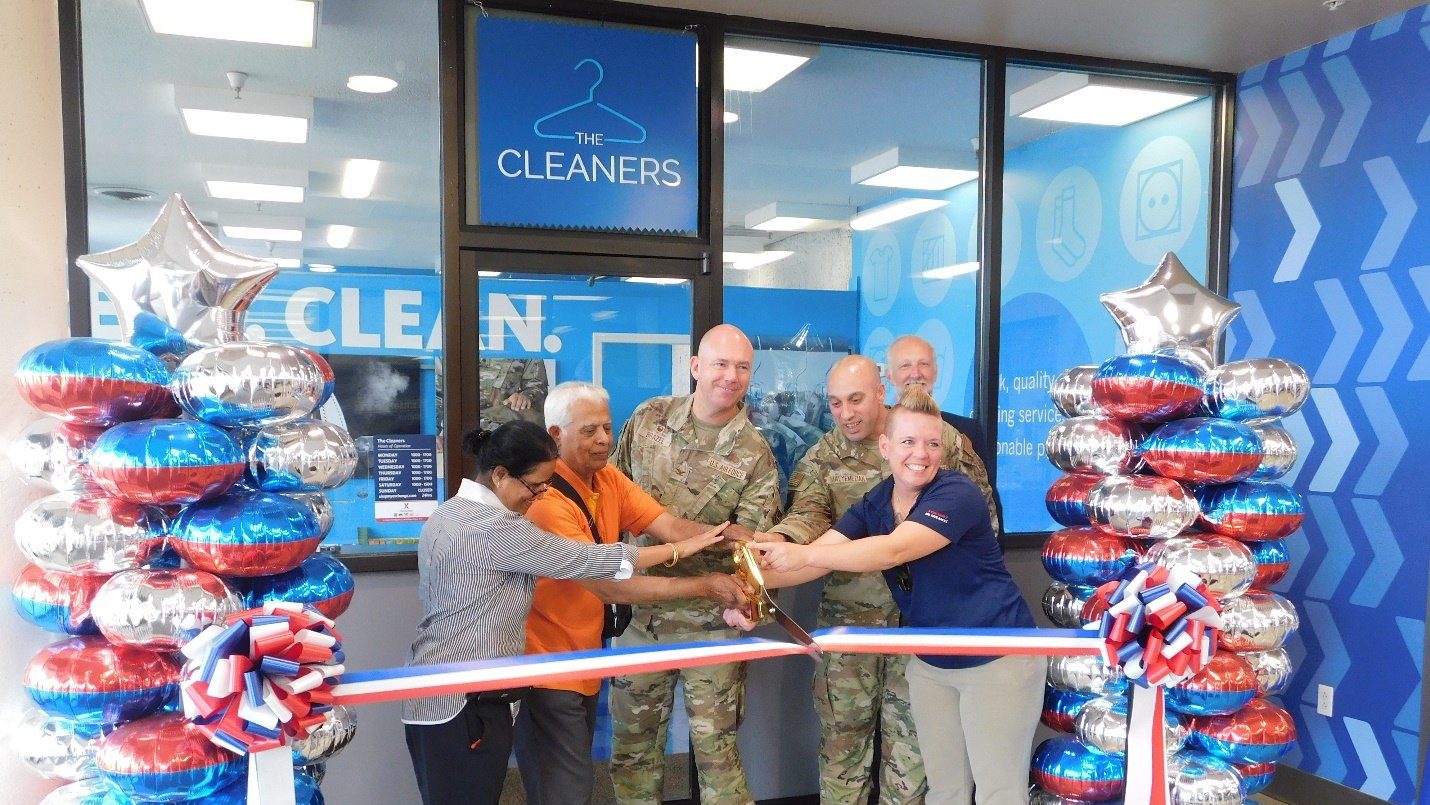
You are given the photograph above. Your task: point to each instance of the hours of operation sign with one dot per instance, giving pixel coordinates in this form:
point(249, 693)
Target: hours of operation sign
point(404, 477)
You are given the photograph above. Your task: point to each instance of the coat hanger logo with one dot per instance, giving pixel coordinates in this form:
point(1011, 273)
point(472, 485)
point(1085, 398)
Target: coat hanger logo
point(557, 125)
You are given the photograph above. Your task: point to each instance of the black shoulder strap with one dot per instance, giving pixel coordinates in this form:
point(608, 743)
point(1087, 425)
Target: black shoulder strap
point(564, 487)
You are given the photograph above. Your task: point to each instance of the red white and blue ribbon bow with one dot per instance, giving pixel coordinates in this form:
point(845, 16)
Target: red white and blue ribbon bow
point(1160, 627)
point(261, 678)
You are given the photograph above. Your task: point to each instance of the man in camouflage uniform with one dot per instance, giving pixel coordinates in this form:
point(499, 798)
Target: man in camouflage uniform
point(703, 460)
point(858, 695)
point(511, 389)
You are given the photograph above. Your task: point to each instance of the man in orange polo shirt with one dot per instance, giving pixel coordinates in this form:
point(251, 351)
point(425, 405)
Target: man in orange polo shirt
point(557, 722)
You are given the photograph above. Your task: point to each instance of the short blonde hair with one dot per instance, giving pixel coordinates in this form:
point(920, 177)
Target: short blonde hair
point(913, 400)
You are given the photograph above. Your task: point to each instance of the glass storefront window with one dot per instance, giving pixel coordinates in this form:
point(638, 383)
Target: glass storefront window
point(1094, 195)
point(851, 218)
point(345, 200)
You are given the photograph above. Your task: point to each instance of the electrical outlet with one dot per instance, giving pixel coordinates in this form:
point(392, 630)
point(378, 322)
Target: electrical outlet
point(1325, 699)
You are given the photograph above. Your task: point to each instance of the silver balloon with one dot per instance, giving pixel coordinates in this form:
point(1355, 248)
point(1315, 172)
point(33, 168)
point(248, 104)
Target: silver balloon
point(302, 456)
point(1172, 311)
point(1141, 506)
point(321, 507)
point(1225, 564)
point(1094, 445)
point(54, 455)
point(161, 610)
point(1199, 779)
point(328, 738)
point(1063, 605)
point(1072, 391)
point(89, 791)
point(1256, 390)
point(1102, 724)
point(83, 533)
point(180, 273)
point(1258, 621)
point(248, 384)
point(1273, 670)
point(1279, 452)
point(1085, 673)
point(316, 770)
point(57, 748)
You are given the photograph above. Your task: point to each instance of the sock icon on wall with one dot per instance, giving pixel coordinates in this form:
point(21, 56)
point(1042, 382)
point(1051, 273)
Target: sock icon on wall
point(1067, 243)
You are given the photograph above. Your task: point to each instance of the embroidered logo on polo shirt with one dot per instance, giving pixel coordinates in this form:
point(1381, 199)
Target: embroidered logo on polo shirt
point(724, 467)
point(939, 516)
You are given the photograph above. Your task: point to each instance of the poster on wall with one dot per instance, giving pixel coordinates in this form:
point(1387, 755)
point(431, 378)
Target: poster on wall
point(586, 127)
point(404, 477)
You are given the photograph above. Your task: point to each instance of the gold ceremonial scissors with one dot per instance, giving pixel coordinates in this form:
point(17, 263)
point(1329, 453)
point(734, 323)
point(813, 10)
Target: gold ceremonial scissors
point(760, 602)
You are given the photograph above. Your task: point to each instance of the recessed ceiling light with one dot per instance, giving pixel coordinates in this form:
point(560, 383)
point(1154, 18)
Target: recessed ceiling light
point(948, 272)
point(340, 235)
point(322, 268)
point(1098, 100)
point(744, 261)
point(359, 175)
point(656, 280)
point(731, 117)
point(892, 211)
point(915, 169)
point(751, 70)
point(253, 191)
point(271, 22)
point(488, 274)
point(242, 126)
point(786, 216)
point(373, 84)
point(262, 233)
point(287, 262)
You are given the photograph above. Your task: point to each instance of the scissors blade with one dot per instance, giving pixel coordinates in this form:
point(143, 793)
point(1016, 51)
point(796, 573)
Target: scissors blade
point(790, 625)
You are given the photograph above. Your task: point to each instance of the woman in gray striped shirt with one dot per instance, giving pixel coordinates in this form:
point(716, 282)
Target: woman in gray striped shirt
point(478, 561)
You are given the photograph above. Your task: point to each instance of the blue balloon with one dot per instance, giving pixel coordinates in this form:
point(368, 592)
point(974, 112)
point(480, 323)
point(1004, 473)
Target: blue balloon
point(93, 381)
point(166, 461)
point(1251, 510)
point(154, 335)
point(1147, 387)
point(1203, 450)
point(1060, 707)
point(1065, 766)
point(246, 534)
point(321, 581)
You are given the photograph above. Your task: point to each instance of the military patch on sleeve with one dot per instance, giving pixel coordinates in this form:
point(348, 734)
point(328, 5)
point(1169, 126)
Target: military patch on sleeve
point(724, 467)
point(796, 479)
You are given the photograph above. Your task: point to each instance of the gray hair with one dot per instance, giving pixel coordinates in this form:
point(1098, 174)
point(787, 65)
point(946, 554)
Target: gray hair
point(559, 401)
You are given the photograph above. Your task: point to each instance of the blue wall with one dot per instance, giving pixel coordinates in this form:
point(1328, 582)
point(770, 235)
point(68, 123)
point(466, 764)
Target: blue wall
point(1331, 262)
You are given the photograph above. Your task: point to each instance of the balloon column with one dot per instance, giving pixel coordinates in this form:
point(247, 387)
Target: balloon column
point(1171, 464)
point(183, 437)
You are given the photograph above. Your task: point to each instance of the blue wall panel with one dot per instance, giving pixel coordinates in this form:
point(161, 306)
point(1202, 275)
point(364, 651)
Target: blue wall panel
point(1331, 262)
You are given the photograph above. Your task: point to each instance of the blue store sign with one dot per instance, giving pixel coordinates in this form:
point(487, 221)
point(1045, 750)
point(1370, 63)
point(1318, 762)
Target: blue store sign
point(581, 126)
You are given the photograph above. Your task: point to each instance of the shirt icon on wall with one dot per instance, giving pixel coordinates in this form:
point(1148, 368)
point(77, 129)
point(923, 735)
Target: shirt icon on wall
point(590, 122)
point(1159, 200)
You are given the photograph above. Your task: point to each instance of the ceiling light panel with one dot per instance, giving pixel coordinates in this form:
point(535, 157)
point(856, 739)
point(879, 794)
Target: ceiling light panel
point(252, 191)
point(1098, 100)
point(916, 169)
point(359, 175)
point(270, 22)
point(340, 236)
point(656, 280)
point(371, 84)
point(262, 233)
point(787, 216)
point(256, 116)
point(745, 261)
point(891, 211)
point(755, 65)
point(322, 268)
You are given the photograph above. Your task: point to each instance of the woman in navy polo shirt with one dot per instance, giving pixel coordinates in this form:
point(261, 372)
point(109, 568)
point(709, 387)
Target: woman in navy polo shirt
point(928, 530)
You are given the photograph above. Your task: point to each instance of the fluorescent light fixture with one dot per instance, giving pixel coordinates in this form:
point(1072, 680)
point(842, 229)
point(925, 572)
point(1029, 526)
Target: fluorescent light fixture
point(287, 262)
point(754, 65)
point(322, 268)
point(949, 272)
point(656, 280)
point(340, 235)
point(787, 216)
point(269, 22)
point(254, 191)
point(488, 274)
point(216, 113)
point(262, 233)
point(891, 211)
point(359, 176)
point(371, 84)
point(745, 261)
point(731, 117)
point(915, 169)
point(1098, 100)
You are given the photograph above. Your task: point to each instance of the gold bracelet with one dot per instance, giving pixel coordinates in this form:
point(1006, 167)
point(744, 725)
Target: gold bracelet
point(674, 556)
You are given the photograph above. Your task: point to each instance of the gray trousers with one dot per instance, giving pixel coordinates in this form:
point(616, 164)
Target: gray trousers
point(554, 731)
point(976, 727)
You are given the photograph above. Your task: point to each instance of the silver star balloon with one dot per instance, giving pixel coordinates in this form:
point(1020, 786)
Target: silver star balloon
point(1172, 311)
point(181, 274)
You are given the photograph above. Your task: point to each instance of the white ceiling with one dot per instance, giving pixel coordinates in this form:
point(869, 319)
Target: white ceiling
point(1223, 35)
point(794, 141)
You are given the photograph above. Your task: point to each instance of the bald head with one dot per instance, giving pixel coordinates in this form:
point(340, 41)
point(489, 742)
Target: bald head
point(856, 397)
point(911, 361)
point(721, 368)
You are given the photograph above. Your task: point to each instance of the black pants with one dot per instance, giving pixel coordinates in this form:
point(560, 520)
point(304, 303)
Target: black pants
point(449, 771)
point(553, 746)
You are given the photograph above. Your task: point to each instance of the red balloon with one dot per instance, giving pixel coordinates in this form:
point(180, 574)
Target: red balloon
point(167, 755)
point(88, 679)
point(70, 593)
point(1260, 732)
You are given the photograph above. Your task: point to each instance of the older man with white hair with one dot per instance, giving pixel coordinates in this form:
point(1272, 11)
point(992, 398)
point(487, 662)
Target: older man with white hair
point(590, 501)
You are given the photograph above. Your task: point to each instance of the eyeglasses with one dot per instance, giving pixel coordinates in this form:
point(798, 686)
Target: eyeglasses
point(536, 491)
